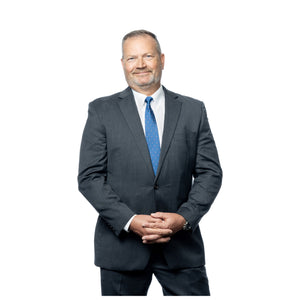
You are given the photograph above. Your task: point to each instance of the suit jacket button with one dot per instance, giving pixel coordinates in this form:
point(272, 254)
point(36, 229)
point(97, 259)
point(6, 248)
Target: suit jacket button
point(155, 186)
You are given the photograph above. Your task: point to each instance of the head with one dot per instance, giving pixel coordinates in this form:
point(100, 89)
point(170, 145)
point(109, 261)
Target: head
point(142, 61)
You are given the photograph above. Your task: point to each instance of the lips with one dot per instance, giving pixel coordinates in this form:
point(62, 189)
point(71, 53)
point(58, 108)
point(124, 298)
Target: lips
point(141, 73)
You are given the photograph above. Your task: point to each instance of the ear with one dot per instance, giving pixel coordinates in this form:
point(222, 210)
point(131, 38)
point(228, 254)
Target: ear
point(162, 60)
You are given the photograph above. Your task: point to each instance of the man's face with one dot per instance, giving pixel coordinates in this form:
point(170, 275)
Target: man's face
point(142, 64)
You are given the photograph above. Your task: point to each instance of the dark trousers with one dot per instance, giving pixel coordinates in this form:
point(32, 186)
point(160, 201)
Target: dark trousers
point(180, 282)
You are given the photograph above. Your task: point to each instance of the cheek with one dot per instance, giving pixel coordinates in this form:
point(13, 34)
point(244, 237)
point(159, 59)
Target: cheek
point(154, 67)
point(128, 69)
point(151, 66)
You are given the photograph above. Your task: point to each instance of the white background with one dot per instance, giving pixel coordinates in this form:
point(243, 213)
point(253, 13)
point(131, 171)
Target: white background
point(240, 57)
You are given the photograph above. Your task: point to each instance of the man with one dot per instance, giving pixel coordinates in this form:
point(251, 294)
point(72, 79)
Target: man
point(149, 166)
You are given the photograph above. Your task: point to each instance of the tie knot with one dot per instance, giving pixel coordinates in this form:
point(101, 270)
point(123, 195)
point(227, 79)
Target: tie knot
point(148, 99)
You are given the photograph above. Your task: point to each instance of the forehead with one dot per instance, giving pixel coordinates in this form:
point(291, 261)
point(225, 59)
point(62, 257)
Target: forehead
point(139, 44)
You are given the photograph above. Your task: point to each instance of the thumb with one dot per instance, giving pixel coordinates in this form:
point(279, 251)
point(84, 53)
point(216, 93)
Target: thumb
point(159, 215)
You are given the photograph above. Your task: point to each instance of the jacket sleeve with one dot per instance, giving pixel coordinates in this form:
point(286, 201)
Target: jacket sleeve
point(207, 175)
point(93, 173)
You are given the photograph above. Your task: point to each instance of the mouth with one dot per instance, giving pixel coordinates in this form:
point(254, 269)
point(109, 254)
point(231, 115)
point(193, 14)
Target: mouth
point(141, 73)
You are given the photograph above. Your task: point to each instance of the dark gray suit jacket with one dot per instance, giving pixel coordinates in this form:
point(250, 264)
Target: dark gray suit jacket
point(116, 177)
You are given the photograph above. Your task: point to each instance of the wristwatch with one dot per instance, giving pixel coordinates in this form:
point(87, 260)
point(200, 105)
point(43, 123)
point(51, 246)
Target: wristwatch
point(186, 226)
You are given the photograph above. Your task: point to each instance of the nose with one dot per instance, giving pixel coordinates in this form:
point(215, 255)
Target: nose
point(140, 63)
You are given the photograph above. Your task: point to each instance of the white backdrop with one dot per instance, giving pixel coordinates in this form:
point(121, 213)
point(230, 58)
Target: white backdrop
point(240, 57)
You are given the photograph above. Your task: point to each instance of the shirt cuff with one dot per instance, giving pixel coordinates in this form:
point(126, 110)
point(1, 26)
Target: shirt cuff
point(126, 227)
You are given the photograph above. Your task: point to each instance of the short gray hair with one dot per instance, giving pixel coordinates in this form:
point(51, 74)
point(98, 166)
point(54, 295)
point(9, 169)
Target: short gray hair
point(141, 32)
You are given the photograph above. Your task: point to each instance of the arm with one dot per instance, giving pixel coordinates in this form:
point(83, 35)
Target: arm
point(207, 182)
point(92, 175)
point(93, 185)
point(207, 176)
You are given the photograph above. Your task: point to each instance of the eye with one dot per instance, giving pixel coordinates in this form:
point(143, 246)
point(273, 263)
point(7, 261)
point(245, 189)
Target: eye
point(149, 56)
point(130, 59)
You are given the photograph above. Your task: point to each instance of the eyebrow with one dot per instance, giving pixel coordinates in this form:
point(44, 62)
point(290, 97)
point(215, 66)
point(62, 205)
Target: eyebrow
point(135, 55)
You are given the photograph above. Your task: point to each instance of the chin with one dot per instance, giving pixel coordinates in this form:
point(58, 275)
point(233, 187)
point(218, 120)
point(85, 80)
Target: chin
point(144, 81)
point(150, 80)
point(143, 84)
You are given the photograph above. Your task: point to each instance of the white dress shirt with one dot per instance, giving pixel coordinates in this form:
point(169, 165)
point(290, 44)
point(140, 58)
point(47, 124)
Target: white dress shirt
point(158, 107)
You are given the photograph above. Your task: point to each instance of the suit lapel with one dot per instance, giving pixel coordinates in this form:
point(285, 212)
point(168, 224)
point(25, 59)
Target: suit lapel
point(131, 115)
point(172, 113)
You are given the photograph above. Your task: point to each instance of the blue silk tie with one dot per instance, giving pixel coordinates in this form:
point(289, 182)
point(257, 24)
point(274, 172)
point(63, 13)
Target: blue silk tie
point(151, 133)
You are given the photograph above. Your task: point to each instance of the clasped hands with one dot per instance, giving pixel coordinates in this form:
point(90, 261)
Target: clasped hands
point(157, 227)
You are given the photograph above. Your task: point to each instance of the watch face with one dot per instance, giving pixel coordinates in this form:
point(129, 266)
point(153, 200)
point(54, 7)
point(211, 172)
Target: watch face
point(187, 226)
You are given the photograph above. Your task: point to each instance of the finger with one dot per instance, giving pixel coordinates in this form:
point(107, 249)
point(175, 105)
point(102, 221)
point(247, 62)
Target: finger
point(159, 215)
point(160, 225)
point(151, 237)
point(158, 231)
point(154, 234)
point(157, 241)
point(153, 221)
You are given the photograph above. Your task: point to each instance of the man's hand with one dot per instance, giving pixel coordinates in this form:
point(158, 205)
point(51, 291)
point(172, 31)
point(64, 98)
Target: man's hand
point(171, 221)
point(144, 225)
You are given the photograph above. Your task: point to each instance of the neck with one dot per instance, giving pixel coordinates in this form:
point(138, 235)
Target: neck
point(147, 91)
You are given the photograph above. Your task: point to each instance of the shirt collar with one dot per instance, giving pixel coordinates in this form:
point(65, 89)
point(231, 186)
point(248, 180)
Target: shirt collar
point(140, 98)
